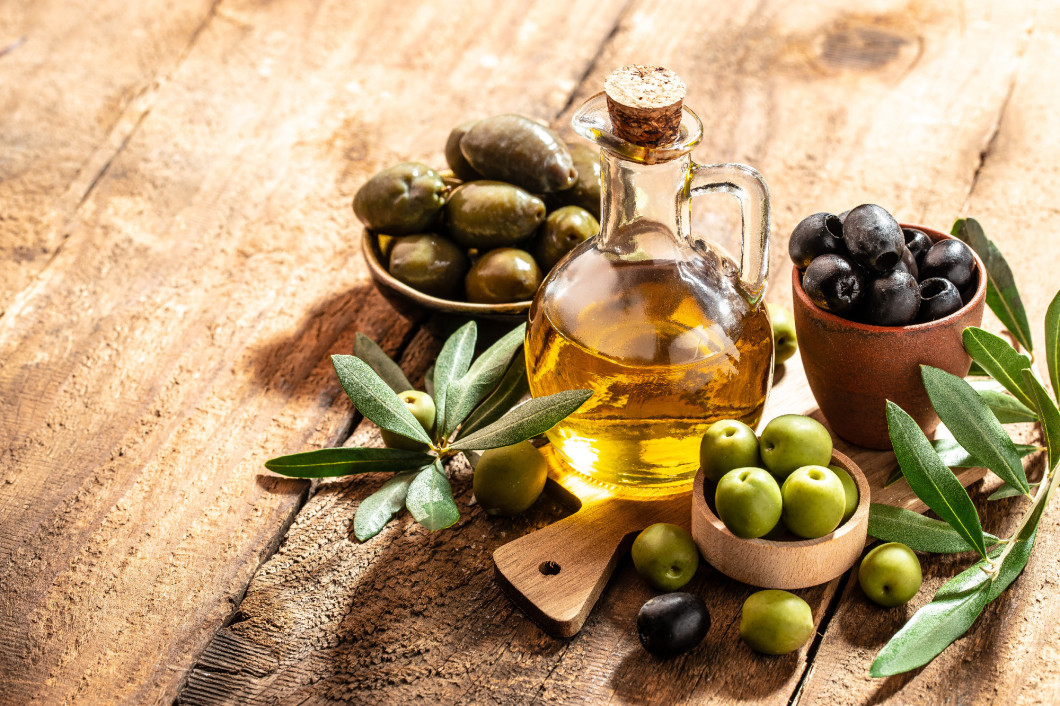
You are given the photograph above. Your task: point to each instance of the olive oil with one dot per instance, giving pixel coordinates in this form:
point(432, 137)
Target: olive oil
point(666, 351)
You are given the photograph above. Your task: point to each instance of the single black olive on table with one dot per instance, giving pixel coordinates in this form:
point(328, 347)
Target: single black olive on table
point(833, 283)
point(951, 259)
point(892, 299)
point(819, 234)
point(917, 242)
point(873, 237)
point(938, 298)
point(672, 623)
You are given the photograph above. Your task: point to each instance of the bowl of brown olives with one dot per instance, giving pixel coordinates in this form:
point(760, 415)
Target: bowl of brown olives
point(874, 300)
point(476, 240)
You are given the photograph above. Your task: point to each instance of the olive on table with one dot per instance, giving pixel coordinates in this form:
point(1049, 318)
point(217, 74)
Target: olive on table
point(727, 444)
point(503, 275)
point(814, 501)
point(815, 235)
point(890, 574)
point(873, 237)
point(775, 622)
point(428, 263)
point(564, 229)
point(792, 441)
point(422, 407)
point(586, 189)
point(520, 151)
point(492, 214)
point(672, 623)
point(455, 158)
point(401, 200)
point(749, 502)
point(509, 480)
point(784, 341)
point(665, 555)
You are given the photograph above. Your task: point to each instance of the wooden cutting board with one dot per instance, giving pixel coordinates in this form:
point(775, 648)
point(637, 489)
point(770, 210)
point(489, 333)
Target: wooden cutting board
point(557, 573)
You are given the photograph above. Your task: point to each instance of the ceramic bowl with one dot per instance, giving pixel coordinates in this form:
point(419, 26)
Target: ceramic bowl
point(854, 368)
point(781, 564)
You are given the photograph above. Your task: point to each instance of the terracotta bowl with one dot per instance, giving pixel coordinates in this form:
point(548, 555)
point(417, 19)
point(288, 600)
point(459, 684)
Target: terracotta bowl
point(779, 563)
point(854, 368)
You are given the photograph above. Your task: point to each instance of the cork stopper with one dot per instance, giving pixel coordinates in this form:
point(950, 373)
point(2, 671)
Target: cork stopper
point(645, 104)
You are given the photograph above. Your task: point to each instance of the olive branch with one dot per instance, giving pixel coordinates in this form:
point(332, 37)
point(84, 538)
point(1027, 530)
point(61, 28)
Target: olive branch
point(1010, 390)
point(477, 408)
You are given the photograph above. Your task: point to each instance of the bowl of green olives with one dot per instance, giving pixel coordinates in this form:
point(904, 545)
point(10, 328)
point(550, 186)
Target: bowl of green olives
point(874, 300)
point(476, 240)
point(780, 558)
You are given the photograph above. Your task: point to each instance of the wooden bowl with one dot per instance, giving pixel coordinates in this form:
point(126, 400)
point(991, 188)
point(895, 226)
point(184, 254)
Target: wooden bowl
point(854, 368)
point(777, 563)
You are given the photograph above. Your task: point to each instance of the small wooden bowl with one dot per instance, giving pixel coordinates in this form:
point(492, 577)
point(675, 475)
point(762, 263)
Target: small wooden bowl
point(770, 563)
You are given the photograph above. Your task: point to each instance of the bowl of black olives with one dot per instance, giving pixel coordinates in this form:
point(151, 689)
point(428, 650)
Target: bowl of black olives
point(476, 240)
point(873, 301)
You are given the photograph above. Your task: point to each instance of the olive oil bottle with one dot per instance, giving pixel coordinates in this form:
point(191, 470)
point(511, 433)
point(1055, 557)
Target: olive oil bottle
point(669, 333)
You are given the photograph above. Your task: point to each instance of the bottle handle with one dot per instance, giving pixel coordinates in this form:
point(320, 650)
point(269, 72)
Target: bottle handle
point(747, 185)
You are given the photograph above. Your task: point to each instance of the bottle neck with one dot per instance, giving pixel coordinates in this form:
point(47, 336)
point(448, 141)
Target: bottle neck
point(640, 198)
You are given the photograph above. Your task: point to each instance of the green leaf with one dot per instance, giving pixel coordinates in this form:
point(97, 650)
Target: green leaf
point(1001, 294)
point(430, 499)
point(976, 370)
point(1007, 408)
point(376, 510)
point(973, 425)
point(1007, 491)
point(1052, 344)
point(999, 359)
point(465, 394)
point(1049, 416)
point(930, 478)
point(388, 371)
point(375, 399)
point(922, 534)
point(525, 421)
point(955, 456)
point(345, 460)
point(512, 387)
point(451, 365)
point(428, 381)
point(935, 626)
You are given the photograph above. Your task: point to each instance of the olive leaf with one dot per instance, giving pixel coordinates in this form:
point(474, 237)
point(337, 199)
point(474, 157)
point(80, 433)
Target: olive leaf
point(930, 478)
point(344, 460)
point(957, 458)
point(1007, 408)
point(428, 381)
point(976, 370)
point(525, 421)
point(375, 399)
point(467, 392)
point(935, 626)
point(430, 499)
point(512, 388)
point(1001, 294)
point(1048, 415)
point(922, 534)
point(1007, 491)
point(1052, 344)
point(999, 359)
point(388, 371)
point(451, 365)
point(378, 508)
point(973, 425)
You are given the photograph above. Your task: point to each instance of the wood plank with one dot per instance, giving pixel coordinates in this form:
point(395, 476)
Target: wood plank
point(797, 91)
point(76, 78)
point(1015, 636)
point(181, 334)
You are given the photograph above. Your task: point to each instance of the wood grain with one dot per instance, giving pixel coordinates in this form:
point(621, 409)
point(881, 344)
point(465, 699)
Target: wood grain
point(891, 105)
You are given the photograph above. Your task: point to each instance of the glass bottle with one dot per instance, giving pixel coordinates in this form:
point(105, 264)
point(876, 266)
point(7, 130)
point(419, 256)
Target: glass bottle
point(669, 333)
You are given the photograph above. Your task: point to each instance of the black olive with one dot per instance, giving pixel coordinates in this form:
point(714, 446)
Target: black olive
point(833, 283)
point(892, 299)
point(951, 259)
point(908, 263)
point(815, 235)
point(672, 623)
point(938, 298)
point(918, 243)
point(873, 237)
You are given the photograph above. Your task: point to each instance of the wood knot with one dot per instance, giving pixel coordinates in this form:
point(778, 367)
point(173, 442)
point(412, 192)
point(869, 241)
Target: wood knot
point(863, 48)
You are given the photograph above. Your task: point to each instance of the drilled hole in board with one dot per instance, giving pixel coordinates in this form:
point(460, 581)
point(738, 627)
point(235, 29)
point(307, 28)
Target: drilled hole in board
point(549, 568)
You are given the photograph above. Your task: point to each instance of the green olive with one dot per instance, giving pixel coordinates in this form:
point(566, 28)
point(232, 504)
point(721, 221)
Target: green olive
point(503, 275)
point(520, 151)
point(422, 407)
point(586, 189)
point(564, 229)
point(491, 214)
point(428, 263)
point(775, 622)
point(401, 200)
point(455, 158)
point(508, 480)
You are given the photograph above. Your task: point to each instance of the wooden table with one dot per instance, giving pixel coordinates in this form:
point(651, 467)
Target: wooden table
point(178, 259)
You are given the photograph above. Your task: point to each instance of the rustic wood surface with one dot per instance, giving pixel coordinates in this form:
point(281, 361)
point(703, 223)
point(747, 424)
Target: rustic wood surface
point(178, 260)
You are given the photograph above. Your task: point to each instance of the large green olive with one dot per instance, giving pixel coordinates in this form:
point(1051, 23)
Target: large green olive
point(586, 189)
point(509, 480)
point(429, 263)
point(491, 214)
point(775, 622)
point(564, 228)
point(520, 151)
point(503, 275)
point(400, 200)
point(455, 158)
